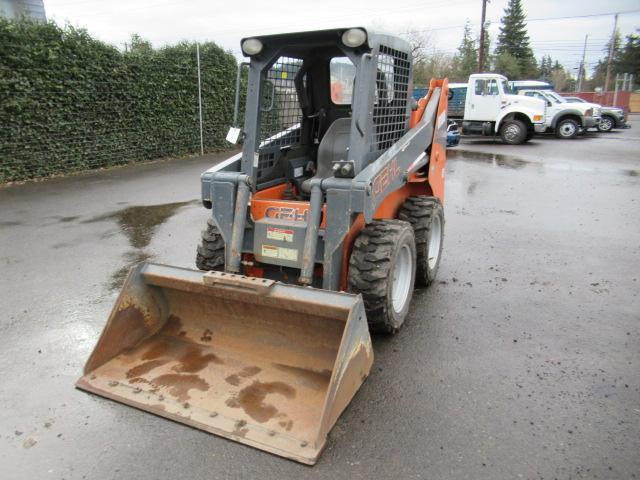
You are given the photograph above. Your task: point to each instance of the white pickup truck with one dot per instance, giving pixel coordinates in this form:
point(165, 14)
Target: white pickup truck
point(565, 119)
point(490, 108)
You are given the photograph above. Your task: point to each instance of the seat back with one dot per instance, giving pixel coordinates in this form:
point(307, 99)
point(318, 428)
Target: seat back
point(334, 146)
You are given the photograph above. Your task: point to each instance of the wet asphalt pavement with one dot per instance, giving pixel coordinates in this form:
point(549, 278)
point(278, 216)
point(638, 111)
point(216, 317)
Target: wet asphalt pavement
point(522, 361)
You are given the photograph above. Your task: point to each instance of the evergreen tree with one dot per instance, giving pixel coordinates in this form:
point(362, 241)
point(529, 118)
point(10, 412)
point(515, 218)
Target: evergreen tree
point(465, 61)
point(545, 69)
point(507, 65)
point(629, 59)
point(514, 40)
point(600, 70)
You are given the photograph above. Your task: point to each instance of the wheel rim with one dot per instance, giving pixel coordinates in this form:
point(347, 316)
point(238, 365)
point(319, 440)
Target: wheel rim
point(567, 129)
point(401, 279)
point(605, 124)
point(511, 132)
point(435, 238)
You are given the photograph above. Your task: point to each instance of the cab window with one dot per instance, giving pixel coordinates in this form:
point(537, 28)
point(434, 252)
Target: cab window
point(343, 74)
point(486, 87)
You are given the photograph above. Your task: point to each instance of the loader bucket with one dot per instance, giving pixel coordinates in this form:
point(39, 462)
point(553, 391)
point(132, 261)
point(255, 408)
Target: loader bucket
point(260, 362)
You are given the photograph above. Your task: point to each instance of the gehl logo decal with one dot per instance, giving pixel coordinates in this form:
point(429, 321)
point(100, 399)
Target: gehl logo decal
point(386, 176)
point(287, 213)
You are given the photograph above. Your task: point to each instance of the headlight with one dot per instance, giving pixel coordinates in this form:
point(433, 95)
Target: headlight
point(251, 46)
point(537, 118)
point(354, 37)
point(589, 112)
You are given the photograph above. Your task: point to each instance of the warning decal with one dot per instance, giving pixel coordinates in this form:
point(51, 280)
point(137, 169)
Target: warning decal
point(280, 252)
point(282, 234)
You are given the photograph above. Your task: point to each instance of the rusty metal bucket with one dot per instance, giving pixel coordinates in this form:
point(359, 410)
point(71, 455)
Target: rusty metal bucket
point(260, 362)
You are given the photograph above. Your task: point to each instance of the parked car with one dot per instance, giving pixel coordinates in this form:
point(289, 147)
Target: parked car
point(453, 134)
point(565, 119)
point(612, 117)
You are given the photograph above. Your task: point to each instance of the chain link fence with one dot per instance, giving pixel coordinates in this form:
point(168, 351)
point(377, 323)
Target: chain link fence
point(69, 102)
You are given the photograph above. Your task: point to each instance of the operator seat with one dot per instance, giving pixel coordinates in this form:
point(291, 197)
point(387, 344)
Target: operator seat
point(334, 146)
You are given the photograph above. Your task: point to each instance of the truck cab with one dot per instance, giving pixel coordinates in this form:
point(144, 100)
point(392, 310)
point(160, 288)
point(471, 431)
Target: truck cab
point(491, 108)
point(565, 119)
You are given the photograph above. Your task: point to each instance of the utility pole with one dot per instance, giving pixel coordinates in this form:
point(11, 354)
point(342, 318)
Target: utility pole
point(612, 41)
point(482, 21)
point(581, 72)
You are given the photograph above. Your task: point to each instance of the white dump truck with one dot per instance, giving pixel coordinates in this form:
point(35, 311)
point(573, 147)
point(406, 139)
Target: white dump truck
point(486, 106)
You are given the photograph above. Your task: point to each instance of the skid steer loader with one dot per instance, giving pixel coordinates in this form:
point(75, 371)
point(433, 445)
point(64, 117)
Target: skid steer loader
point(320, 229)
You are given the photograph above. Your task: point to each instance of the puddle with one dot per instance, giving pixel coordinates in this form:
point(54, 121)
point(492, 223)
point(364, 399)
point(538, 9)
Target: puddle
point(139, 225)
point(9, 223)
point(63, 219)
point(132, 258)
point(499, 160)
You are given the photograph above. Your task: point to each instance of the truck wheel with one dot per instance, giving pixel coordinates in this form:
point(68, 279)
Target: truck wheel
point(606, 124)
point(210, 253)
point(530, 134)
point(426, 216)
point(567, 128)
point(513, 132)
point(382, 268)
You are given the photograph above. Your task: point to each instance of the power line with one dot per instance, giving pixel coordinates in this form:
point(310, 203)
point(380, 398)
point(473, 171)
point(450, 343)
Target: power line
point(542, 19)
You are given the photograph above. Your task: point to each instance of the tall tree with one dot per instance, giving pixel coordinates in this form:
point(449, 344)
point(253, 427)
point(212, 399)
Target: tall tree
point(546, 67)
point(507, 65)
point(465, 61)
point(428, 62)
point(600, 70)
point(629, 59)
point(514, 40)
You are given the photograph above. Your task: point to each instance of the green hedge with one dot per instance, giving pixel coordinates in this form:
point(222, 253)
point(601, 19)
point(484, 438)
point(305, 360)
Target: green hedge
point(69, 102)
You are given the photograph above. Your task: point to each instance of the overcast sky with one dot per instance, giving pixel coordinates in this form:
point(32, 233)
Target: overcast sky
point(225, 22)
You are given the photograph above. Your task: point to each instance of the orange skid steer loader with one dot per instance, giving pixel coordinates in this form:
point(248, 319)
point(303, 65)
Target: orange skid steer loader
point(320, 229)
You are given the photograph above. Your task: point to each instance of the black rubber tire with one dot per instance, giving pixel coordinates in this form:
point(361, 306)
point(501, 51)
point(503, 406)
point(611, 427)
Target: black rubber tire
point(371, 271)
point(530, 134)
point(420, 212)
point(512, 139)
point(210, 253)
point(608, 125)
point(562, 123)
